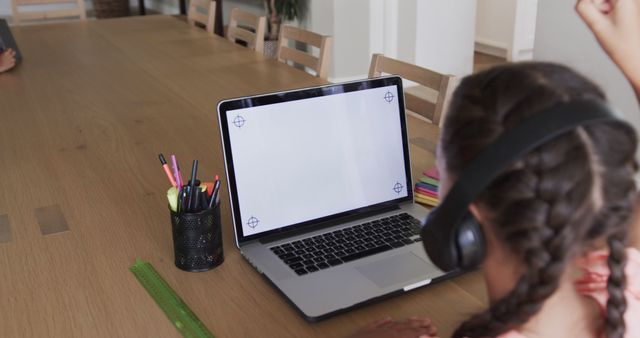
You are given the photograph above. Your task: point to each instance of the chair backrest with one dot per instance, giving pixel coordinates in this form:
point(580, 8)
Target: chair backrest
point(202, 12)
point(21, 16)
point(247, 27)
point(429, 102)
point(319, 64)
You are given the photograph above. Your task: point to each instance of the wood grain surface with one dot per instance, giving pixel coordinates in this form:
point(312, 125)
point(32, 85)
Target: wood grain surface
point(82, 120)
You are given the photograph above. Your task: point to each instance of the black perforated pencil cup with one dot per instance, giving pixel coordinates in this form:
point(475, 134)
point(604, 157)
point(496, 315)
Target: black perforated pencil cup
point(197, 239)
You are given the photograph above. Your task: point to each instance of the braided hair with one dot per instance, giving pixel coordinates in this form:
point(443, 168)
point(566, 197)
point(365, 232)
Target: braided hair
point(556, 200)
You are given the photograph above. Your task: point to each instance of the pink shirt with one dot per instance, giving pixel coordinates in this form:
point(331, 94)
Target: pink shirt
point(593, 283)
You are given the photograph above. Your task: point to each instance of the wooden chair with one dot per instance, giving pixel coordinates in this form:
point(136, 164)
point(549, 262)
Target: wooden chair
point(429, 100)
point(286, 54)
point(19, 17)
point(248, 28)
point(202, 12)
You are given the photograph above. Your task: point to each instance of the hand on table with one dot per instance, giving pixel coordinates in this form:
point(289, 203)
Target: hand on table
point(7, 60)
point(388, 328)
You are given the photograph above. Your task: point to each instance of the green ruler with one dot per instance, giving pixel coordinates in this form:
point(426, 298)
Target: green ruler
point(176, 310)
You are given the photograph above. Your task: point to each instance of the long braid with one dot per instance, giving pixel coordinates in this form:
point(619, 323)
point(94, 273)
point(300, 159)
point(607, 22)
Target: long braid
point(613, 218)
point(617, 303)
point(545, 208)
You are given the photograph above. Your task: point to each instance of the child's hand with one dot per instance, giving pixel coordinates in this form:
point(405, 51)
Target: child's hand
point(389, 328)
point(7, 59)
point(616, 25)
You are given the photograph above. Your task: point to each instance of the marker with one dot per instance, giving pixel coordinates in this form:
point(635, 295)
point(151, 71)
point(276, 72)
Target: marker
point(192, 181)
point(172, 197)
point(209, 188)
point(174, 165)
point(167, 171)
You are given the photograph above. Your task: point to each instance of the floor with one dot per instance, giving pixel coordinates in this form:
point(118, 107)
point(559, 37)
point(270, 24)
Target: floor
point(484, 61)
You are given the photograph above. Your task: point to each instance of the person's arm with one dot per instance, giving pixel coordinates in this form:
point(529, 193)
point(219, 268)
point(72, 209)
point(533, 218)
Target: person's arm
point(388, 328)
point(616, 26)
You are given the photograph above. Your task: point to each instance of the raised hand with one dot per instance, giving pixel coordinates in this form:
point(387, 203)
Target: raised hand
point(616, 26)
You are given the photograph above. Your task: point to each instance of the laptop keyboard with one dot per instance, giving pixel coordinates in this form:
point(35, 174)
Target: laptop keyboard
point(345, 245)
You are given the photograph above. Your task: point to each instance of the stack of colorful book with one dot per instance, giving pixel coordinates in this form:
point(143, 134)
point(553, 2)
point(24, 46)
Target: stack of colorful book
point(426, 190)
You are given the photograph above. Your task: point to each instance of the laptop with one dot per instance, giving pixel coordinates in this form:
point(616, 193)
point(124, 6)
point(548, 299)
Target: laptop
point(321, 195)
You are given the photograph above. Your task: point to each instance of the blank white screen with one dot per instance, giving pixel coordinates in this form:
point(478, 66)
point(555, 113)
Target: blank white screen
point(306, 159)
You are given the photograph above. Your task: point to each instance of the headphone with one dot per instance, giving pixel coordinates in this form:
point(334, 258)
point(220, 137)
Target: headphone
point(451, 235)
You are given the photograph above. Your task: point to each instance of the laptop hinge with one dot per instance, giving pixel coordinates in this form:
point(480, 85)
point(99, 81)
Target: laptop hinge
point(346, 219)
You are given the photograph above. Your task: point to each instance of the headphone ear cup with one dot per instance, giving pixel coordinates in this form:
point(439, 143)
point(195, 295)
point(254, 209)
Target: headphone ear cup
point(439, 240)
point(470, 242)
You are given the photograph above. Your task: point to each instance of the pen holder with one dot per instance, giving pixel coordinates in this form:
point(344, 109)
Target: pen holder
point(197, 239)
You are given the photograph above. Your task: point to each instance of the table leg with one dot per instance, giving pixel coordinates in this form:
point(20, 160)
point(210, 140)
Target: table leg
point(141, 8)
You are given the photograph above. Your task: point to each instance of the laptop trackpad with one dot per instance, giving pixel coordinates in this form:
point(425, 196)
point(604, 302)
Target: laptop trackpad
point(392, 270)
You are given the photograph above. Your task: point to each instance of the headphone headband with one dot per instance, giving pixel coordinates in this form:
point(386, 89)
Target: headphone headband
point(512, 145)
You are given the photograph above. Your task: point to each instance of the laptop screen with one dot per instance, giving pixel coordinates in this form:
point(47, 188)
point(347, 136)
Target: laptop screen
point(306, 156)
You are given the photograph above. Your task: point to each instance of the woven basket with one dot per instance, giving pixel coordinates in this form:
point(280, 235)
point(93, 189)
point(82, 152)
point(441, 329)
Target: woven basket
point(111, 8)
point(271, 48)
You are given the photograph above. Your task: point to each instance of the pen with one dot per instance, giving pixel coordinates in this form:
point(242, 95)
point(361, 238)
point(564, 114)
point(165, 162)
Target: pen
point(179, 172)
point(167, 171)
point(213, 185)
point(196, 200)
point(192, 184)
point(174, 165)
point(203, 199)
point(183, 199)
point(214, 196)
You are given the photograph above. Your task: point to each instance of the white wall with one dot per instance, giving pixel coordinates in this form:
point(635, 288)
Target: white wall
point(524, 31)
point(445, 32)
point(495, 22)
point(406, 36)
point(434, 34)
point(562, 37)
point(5, 8)
point(350, 38)
point(6, 11)
point(506, 28)
point(164, 6)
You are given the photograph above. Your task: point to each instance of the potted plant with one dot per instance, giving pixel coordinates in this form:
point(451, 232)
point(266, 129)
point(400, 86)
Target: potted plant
point(279, 11)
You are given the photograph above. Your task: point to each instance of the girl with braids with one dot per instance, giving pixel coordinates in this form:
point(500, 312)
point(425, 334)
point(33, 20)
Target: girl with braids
point(558, 222)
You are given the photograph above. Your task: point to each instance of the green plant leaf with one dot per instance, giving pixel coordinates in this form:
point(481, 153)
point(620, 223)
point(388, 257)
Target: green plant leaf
point(287, 9)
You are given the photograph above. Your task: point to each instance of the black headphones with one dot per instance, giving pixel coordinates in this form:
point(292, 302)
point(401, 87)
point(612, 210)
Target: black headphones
point(451, 235)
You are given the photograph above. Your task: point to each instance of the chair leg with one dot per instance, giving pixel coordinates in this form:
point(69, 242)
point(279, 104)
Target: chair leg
point(183, 7)
point(141, 8)
point(219, 29)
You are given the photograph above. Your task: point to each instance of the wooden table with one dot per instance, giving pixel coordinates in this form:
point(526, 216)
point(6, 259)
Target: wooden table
point(82, 121)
